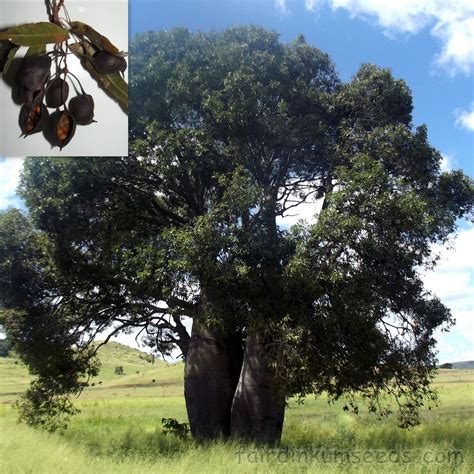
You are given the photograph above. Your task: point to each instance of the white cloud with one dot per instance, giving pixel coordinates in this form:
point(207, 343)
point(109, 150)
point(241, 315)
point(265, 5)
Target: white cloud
point(406, 16)
point(281, 6)
point(459, 256)
point(10, 169)
point(310, 4)
point(457, 36)
point(451, 21)
point(465, 118)
point(447, 162)
point(453, 283)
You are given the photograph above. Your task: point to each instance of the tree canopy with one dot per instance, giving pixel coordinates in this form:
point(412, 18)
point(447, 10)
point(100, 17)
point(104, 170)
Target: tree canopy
point(230, 131)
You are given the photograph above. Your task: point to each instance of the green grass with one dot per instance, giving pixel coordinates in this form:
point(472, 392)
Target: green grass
point(119, 430)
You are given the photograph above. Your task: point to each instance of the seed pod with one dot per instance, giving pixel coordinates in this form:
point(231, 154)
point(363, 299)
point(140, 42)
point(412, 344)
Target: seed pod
point(82, 109)
point(62, 127)
point(33, 117)
point(34, 71)
point(32, 96)
point(57, 92)
point(106, 63)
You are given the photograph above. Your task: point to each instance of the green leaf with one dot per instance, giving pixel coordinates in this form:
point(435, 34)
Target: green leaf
point(35, 34)
point(8, 54)
point(99, 41)
point(113, 84)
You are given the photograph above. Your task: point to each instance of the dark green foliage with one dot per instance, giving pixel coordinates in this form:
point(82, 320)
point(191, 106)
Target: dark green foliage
point(119, 370)
point(21, 265)
point(30, 295)
point(173, 426)
point(150, 358)
point(38, 408)
point(447, 365)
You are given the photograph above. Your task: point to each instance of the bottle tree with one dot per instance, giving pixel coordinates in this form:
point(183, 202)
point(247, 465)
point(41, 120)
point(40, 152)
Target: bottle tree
point(230, 132)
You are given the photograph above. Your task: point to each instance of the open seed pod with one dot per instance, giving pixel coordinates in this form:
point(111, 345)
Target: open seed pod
point(34, 71)
point(61, 128)
point(82, 109)
point(33, 118)
point(57, 92)
point(106, 63)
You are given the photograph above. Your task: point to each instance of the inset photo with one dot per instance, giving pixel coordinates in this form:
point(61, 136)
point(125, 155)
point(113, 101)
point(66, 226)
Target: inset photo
point(64, 78)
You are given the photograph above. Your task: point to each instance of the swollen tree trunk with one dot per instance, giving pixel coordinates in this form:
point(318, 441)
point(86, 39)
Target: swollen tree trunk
point(210, 378)
point(258, 408)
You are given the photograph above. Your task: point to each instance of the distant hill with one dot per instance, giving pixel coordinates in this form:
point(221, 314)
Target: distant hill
point(466, 364)
point(137, 372)
point(135, 363)
point(117, 353)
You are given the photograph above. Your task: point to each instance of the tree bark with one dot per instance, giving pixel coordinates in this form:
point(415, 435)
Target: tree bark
point(210, 378)
point(258, 408)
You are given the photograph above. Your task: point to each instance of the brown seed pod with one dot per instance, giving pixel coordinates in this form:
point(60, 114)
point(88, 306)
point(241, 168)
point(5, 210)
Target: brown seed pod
point(33, 117)
point(106, 63)
point(57, 92)
point(34, 71)
point(62, 127)
point(82, 109)
point(32, 96)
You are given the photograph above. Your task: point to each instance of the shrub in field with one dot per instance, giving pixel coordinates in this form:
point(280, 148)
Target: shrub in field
point(172, 426)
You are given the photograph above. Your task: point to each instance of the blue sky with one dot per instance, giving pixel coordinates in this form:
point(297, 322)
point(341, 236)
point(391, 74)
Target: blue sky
point(428, 43)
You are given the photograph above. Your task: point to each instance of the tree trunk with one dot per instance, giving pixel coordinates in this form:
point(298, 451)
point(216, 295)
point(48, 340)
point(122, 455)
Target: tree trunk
point(258, 408)
point(209, 384)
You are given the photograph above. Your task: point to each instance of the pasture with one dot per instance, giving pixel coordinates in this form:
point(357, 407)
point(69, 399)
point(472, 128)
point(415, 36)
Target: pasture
point(119, 430)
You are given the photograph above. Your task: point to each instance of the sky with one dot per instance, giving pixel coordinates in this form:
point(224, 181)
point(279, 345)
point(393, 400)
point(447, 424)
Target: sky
point(428, 43)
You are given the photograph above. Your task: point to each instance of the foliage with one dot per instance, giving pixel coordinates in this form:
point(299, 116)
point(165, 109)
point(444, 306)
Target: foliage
point(29, 297)
point(446, 365)
point(173, 426)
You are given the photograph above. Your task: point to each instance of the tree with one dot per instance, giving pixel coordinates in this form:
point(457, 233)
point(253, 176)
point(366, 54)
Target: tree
point(446, 365)
point(229, 132)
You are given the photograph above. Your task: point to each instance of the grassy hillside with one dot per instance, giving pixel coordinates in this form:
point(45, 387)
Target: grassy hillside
point(119, 430)
point(139, 375)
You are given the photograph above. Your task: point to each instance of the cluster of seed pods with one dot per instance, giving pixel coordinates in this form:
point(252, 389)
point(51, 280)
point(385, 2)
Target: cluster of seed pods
point(41, 91)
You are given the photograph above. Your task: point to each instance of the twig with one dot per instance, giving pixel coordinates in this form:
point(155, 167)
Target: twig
point(55, 8)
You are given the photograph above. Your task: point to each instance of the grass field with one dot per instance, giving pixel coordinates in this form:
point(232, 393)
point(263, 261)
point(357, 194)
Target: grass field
point(119, 430)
